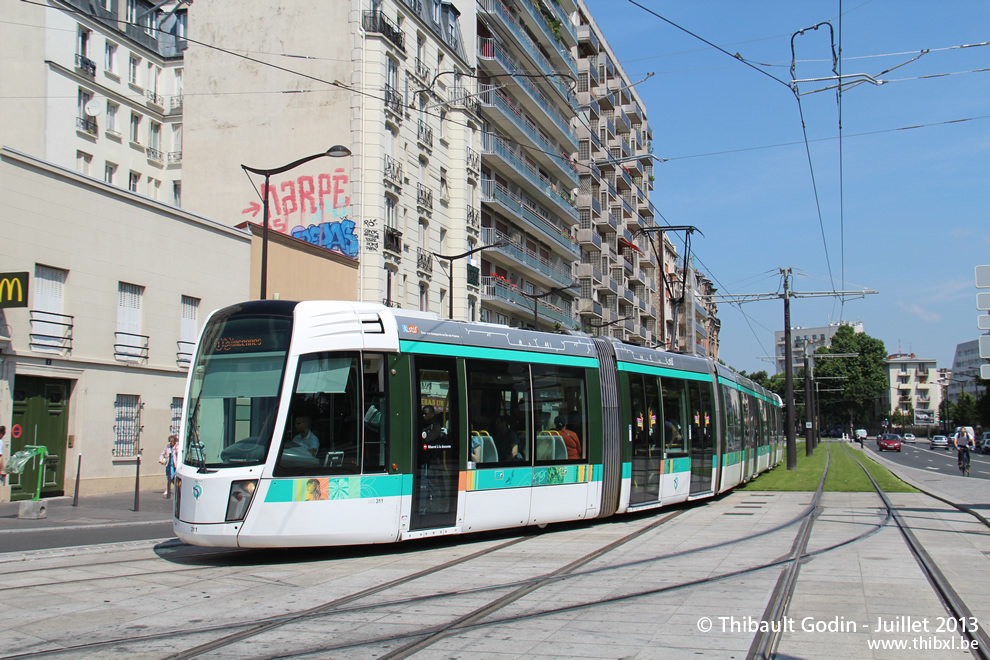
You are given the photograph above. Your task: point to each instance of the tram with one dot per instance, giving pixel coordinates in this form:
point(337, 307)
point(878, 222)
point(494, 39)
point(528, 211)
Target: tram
point(325, 423)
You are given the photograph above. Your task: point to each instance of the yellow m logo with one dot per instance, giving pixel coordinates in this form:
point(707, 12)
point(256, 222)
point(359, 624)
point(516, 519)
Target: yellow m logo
point(7, 285)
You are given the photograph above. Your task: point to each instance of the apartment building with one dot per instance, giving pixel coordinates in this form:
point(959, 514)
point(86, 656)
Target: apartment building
point(698, 326)
point(913, 384)
point(622, 251)
point(95, 353)
point(805, 341)
point(965, 373)
point(97, 87)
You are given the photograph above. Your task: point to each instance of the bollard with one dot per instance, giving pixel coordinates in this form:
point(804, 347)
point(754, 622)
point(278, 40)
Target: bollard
point(75, 496)
point(137, 482)
point(32, 510)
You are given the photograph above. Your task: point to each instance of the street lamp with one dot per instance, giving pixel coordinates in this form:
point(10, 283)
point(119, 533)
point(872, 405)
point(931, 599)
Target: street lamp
point(336, 151)
point(599, 326)
point(536, 297)
point(450, 269)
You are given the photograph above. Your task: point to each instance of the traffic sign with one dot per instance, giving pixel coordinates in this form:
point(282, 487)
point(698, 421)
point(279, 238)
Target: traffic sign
point(983, 321)
point(983, 301)
point(16, 431)
point(985, 346)
point(983, 277)
point(985, 371)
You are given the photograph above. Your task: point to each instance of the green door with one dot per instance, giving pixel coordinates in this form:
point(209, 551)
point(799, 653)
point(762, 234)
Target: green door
point(40, 417)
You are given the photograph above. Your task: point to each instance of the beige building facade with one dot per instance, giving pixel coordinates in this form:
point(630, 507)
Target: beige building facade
point(913, 385)
point(95, 361)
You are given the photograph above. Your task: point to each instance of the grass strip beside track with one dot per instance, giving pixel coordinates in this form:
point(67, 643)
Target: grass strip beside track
point(843, 475)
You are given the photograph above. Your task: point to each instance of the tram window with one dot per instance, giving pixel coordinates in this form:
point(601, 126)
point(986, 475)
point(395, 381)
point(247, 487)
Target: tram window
point(322, 431)
point(375, 416)
point(733, 422)
point(674, 416)
point(499, 411)
point(561, 414)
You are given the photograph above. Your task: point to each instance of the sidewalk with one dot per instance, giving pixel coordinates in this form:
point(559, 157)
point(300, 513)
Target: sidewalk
point(93, 510)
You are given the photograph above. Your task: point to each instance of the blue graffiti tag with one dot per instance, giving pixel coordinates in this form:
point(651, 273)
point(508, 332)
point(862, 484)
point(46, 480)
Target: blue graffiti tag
point(334, 236)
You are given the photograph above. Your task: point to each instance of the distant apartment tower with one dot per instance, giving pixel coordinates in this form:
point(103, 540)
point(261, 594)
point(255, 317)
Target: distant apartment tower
point(965, 370)
point(912, 384)
point(106, 101)
point(805, 341)
point(621, 269)
point(698, 325)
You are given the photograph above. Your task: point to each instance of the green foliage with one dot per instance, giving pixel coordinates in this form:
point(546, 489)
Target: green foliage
point(844, 475)
point(965, 412)
point(861, 379)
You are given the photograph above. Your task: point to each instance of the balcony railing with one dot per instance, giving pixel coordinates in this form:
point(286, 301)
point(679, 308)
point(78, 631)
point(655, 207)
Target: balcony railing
point(473, 218)
point(424, 133)
point(51, 332)
point(375, 21)
point(490, 236)
point(175, 156)
point(492, 191)
point(393, 169)
point(415, 5)
point(184, 353)
point(424, 196)
point(155, 98)
point(393, 240)
point(393, 100)
point(424, 260)
point(422, 70)
point(86, 124)
point(130, 347)
point(175, 103)
point(473, 160)
point(153, 154)
point(494, 144)
point(493, 287)
point(86, 64)
point(391, 303)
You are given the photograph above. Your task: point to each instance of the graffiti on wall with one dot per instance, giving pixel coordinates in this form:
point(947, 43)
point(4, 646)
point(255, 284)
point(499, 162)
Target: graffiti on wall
point(312, 208)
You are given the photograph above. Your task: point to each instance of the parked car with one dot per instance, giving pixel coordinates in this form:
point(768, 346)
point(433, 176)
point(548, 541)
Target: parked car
point(889, 441)
point(939, 442)
point(909, 437)
point(983, 444)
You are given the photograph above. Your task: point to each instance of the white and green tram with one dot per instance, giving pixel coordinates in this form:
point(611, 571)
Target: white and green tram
point(329, 423)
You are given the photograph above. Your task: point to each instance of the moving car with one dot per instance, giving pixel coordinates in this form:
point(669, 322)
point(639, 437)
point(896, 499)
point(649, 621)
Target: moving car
point(890, 441)
point(909, 437)
point(939, 442)
point(860, 434)
point(983, 444)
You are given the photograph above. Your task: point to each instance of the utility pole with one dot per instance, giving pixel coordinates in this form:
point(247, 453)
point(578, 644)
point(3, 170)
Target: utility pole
point(788, 372)
point(809, 409)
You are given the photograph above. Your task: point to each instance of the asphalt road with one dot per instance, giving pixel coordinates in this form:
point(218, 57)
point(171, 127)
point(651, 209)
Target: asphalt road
point(23, 540)
point(918, 455)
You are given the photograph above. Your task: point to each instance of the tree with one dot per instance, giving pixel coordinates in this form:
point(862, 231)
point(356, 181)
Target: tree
point(860, 379)
point(946, 413)
point(966, 410)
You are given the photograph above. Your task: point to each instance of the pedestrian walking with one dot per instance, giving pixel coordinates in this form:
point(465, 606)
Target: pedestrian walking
point(169, 458)
point(3, 471)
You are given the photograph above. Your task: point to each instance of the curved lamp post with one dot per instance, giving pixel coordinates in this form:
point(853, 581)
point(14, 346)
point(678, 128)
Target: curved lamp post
point(537, 297)
point(599, 326)
point(450, 269)
point(336, 151)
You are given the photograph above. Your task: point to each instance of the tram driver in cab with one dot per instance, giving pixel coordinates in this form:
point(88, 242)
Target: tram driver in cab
point(304, 437)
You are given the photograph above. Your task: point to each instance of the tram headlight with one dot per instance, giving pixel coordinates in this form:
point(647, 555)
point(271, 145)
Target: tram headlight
point(241, 493)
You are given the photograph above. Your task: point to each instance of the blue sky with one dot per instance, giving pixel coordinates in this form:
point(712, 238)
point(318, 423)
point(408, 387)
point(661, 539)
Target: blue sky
point(913, 219)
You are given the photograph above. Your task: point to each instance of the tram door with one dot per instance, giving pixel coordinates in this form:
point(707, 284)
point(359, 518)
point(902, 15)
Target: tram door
point(702, 436)
point(436, 445)
point(647, 439)
point(40, 416)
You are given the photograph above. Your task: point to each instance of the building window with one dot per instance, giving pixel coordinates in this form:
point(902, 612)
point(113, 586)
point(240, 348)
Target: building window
point(83, 43)
point(83, 161)
point(154, 188)
point(48, 333)
point(424, 297)
point(390, 212)
point(155, 135)
point(177, 193)
point(176, 410)
point(135, 128)
point(83, 98)
point(112, 117)
point(133, 65)
point(127, 425)
point(129, 343)
point(109, 172)
point(132, 11)
point(443, 124)
point(436, 11)
point(188, 328)
point(110, 57)
point(133, 179)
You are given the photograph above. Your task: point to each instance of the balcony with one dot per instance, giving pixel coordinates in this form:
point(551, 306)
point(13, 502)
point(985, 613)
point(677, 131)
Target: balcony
point(586, 35)
point(494, 192)
point(130, 347)
point(496, 146)
point(377, 22)
point(393, 170)
point(424, 260)
point(526, 257)
point(155, 98)
point(621, 121)
point(174, 157)
point(175, 103)
point(393, 240)
point(423, 71)
point(496, 288)
point(473, 160)
point(424, 196)
point(589, 238)
point(86, 125)
point(87, 65)
point(51, 332)
point(560, 50)
point(415, 5)
point(154, 154)
point(473, 218)
point(393, 101)
point(183, 353)
point(425, 134)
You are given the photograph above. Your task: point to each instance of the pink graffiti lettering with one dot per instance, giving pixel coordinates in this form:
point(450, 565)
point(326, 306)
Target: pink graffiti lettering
point(305, 199)
point(325, 189)
point(289, 205)
point(306, 190)
point(339, 181)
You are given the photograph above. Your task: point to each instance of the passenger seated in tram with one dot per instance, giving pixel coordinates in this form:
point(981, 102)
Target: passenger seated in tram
point(506, 442)
point(571, 440)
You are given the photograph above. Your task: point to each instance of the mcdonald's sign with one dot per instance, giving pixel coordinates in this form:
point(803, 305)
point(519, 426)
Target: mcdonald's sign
point(13, 290)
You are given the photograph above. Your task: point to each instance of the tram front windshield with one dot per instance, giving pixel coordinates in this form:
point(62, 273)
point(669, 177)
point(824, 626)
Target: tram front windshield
point(233, 397)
